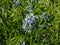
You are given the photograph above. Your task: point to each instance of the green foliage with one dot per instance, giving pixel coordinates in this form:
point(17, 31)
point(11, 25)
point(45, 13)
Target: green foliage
point(12, 14)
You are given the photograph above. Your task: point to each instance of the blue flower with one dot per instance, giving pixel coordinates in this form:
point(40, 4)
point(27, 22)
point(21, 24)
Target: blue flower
point(30, 8)
point(45, 16)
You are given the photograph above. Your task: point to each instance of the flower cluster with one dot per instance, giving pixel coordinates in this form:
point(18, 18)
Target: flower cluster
point(29, 22)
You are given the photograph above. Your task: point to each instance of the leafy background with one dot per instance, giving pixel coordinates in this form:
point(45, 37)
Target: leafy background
point(12, 13)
